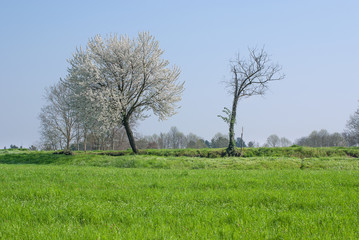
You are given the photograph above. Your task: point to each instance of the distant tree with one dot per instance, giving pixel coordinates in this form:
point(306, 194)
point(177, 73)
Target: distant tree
point(152, 145)
point(337, 140)
point(219, 141)
point(351, 132)
point(201, 144)
point(284, 142)
point(176, 139)
point(251, 144)
point(192, 137)
point(191, 144)
point(33, 148)
point(13, 146)
point(250, 77)
point(208, 144)
point(273, 141)
point(322, 139)
point(194, 141)
point(239, 143)
point(162, 141)
point(124, 79)
point(142, 143)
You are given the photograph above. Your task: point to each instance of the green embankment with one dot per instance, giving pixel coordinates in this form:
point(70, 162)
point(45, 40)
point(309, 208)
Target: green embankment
point(256, 158)
point(295, 151)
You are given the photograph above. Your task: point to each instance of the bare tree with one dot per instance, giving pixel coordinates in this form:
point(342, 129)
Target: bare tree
point(250, 77)
point(57, 118)
point(323, 139)
point(176, 139)
point(351, 132)
point(285, 142)
point(124, 79)
point(51, 138)
point(273, 141)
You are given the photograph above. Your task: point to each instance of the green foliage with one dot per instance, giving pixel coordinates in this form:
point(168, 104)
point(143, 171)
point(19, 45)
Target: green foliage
point(293, 151)
point(227, 115)
point(65, 152)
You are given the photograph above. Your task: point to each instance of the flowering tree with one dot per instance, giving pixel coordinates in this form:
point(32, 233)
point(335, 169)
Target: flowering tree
point(120, 80)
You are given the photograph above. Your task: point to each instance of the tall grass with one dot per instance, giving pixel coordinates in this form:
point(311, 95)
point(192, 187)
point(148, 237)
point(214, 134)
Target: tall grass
point(72, 202)
point(101, 196)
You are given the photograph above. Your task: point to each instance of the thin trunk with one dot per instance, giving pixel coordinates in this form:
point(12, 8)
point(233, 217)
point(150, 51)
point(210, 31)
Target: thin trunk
point(85, 138)
point(78, 138)
point(68, 140)
point(113, 139)
point(99, 143)
point(129, 133)
point(231, 146)
point(242, 143)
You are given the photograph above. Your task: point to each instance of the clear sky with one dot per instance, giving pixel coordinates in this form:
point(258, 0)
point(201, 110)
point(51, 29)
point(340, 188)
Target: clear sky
point(316, 42)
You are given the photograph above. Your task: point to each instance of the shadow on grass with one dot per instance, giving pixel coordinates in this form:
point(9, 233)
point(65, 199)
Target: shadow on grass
point(35, 158)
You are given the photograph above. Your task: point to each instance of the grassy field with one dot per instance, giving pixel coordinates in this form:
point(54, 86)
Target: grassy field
point(92, 196)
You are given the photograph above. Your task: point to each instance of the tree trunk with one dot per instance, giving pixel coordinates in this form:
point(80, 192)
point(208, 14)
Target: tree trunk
point(129, 133)
point(68, 142)
point(85, 138)
point(231, 146)
point(242, 143)
point(113, 139)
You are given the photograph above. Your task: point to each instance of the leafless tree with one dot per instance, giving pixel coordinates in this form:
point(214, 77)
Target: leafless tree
point(351, 132)
point(273, 141)
point(176, 139)
point(323, 138)
point(284, 142)
point(51, 138)
point(57, 118)
point(251, 77)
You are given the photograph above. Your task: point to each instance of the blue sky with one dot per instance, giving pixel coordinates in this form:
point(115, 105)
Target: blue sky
point(316, 42)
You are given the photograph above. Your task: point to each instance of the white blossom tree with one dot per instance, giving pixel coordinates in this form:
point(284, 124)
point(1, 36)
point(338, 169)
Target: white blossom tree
point(121, 80)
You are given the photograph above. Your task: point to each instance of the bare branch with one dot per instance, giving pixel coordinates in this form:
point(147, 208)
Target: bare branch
point(250, 77)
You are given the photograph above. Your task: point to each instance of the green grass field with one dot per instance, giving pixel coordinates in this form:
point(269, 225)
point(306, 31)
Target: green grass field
point(90, 196)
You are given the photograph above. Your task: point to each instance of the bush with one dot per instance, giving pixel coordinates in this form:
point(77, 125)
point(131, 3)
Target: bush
point(64, 152)
point(293, 151)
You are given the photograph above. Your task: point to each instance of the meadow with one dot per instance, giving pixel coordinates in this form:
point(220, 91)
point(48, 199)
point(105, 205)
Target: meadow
point(276, 194)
